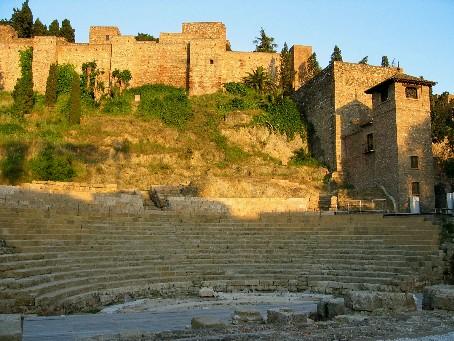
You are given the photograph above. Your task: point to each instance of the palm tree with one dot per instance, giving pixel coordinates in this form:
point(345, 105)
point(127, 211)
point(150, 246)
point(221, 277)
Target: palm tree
point(258, 79)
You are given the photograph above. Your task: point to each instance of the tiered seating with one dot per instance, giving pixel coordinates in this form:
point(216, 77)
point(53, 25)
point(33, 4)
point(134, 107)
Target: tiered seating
point(66, 263)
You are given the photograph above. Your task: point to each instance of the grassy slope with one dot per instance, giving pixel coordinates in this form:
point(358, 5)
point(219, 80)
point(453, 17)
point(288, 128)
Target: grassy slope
point(136, 152)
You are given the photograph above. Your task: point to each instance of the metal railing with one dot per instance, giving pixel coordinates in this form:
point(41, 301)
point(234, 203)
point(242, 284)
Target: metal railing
point(364, 206)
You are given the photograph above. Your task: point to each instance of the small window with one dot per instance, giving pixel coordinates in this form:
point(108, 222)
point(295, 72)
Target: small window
point(211, 61)
point(415, 189)
point(411, 92)
point(107, 37)
point(370, 143)
point(384, 94)
point(414, 161)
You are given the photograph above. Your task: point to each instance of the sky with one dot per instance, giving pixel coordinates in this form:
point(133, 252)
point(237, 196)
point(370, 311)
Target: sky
point(417, 34)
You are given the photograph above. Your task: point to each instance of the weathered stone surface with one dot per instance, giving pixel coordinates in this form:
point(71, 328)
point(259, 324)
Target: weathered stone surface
point(10, 328)
point(438, 297)
point(285, 316)
point(201, 322)
point(328, 308)
point(244, 315)
point(207, 293)
point(374, 300)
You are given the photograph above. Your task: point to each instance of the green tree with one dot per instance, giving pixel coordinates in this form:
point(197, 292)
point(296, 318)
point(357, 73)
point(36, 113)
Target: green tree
point(23, 91)
point(364, 60)
point(442, 117)
point(121, 79)
point(39, 29)
point(22, 21)
point(146, 37)
point(259, 80)
point(52, 164)
point(67, 32)
point(286, 71)
point(74, 101)
point(336, 56)
point(384, 61)
point(5, 22)
point(54, 28)
point(263, 43)
point(51, 86)
point(310, 69)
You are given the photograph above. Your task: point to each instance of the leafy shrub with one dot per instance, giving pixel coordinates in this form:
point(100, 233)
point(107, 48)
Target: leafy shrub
point(169, 104)
point(282, 116)
point(118, 105)
point(13, 165)
point(238, 103)
point(302, 158)
point(65, 73)
point(52, 164)
point(236, 88)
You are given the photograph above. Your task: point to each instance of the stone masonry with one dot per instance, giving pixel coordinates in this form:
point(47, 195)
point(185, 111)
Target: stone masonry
point(195, 59)
point(370, 142)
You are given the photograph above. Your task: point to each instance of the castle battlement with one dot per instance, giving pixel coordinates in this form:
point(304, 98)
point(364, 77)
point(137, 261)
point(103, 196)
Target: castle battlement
point(195, 58)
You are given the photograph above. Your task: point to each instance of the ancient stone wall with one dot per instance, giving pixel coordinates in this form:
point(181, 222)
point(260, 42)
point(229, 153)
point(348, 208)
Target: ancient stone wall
point(316, 99)
point(364, 168)
point(414, 139)
point(195, 59)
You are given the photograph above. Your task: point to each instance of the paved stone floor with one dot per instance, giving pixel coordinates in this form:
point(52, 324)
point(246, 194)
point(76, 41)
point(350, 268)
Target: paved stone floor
point(153, 316)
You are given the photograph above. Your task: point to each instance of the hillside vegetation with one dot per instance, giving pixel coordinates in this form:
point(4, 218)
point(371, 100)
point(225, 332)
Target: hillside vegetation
point(236, 142)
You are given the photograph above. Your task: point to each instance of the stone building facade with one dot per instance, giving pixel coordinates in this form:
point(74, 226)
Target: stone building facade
point(196, 59)
point(372, 129)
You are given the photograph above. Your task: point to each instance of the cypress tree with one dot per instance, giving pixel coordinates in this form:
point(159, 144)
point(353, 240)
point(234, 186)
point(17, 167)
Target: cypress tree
point(67, 31)
point(22, 21)
point(51, 86)
point(23, 95)
point(54, 28)
point(384, 61)
point(74, 100)
point(39, 29)
point(313, 65)
point(336, 56)
point(286, 71)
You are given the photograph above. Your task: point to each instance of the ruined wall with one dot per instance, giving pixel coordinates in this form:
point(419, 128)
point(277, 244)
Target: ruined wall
point(316, 99)
point(10, 46)
point(414, 139)
point(365, 169)
point(195, 59)
point(103, 34)
point(351, 102)
point(78, 54)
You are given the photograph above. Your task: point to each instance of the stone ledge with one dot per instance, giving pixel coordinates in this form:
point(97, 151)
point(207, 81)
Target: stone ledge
point(439, 297)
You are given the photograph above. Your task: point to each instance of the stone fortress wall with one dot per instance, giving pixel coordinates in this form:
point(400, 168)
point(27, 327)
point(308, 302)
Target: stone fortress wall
point(343, 115)
point(196, 59)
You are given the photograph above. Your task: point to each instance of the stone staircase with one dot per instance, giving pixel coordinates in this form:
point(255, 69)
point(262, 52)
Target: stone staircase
point(64, 263)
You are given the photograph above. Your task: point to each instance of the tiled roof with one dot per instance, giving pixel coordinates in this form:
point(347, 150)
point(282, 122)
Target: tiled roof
point(400, 78)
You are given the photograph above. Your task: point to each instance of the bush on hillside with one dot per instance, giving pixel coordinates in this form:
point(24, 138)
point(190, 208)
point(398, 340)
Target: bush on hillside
point(74, 101)
point(282, 116)
point(118, 105)
point(303, 158)
point(235, 88)
point(169, 104)
point(12, 166)
point(51, 86)
point(52, 164)
point(65, 74)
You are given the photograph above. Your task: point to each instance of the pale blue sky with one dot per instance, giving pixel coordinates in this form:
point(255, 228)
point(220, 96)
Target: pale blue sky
point(417, 33)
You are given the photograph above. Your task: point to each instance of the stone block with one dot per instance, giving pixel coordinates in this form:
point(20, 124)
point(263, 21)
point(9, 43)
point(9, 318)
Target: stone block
point(10, 328)
point(328, 308)
point(207, 293)
point(374, 300)
point(285, 316)
point(438, 297)
point(243, 315)
point(202, 322)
